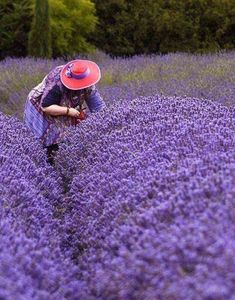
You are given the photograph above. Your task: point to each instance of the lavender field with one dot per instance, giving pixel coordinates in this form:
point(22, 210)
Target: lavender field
point(140, 203)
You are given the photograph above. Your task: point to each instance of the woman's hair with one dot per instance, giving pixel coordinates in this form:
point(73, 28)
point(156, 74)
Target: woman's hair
point(70, 94)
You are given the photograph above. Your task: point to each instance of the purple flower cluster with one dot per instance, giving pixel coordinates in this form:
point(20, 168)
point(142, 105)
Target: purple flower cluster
point(201, 76)
point(140, 204)
point(208, 76)
point(33, 264)
point(149, 210)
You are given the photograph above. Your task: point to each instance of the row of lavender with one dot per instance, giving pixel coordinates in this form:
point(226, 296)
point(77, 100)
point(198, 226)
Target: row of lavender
point(201, 76)
point(149, 212)
point(33, 264)
point(150, 209)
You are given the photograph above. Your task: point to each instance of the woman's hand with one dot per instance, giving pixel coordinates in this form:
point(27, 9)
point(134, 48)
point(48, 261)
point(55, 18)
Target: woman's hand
point(73, 113)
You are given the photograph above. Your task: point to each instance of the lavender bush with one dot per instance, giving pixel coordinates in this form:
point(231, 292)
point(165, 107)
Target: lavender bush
point(32, 262)
point(202, 76)
point(149, 212)
point(140, 204)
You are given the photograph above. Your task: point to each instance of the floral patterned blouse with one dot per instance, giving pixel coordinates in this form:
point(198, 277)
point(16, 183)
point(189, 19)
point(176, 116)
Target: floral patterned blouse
point(52, 129)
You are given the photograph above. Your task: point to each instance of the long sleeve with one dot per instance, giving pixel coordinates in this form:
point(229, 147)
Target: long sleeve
point(94, 100)
point(53, 97)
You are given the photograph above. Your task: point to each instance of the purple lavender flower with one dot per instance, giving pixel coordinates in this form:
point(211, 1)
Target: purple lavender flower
point(151, 187)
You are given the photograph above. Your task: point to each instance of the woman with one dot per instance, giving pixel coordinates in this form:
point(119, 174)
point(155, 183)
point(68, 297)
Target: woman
point(59, 101)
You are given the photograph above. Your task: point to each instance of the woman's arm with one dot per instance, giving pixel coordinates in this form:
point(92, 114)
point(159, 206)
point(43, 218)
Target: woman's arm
point(57, 110)
point(94, 100)
point(51, 104)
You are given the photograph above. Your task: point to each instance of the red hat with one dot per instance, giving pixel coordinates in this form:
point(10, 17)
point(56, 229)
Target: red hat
point(79, 74)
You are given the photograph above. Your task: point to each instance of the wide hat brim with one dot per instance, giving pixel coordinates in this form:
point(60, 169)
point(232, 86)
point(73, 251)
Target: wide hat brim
point(78, 84)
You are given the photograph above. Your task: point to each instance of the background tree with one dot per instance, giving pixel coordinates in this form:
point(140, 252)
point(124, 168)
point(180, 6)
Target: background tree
point(40, 34)
point(110, 34)
point(15, 20)
point(120, 27)
point(128, 27)
point(72, 22)
point(217, 24)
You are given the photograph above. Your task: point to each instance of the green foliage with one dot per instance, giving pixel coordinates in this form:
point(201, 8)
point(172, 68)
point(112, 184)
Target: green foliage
point(72, 21)
point(15, 20)
point(128, 27)
point(118, 27)
point(40, 34)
